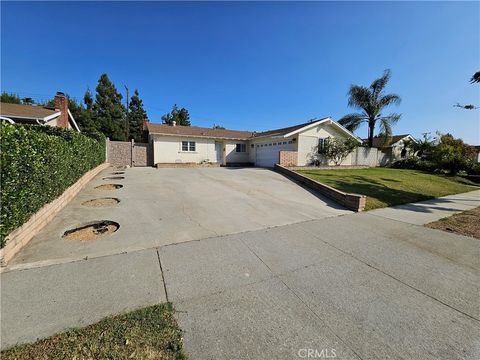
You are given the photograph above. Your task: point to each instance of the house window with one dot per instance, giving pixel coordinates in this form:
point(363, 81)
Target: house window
point(188, 146)
point(241, 148)
point(322, 144)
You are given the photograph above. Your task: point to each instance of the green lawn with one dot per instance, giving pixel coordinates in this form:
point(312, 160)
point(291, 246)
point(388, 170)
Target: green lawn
point(148, 333)
point(386, 187)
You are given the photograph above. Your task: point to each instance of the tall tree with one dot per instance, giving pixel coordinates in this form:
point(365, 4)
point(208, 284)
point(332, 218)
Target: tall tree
point(10, 98)
point(371, 101)
point(136, 116)
point(109, 112)
point(180, 116)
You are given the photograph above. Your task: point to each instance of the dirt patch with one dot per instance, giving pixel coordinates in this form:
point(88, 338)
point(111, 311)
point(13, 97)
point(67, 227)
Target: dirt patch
point(92, 231)
point(109, 187)
point(114, 178)
point(465, 223)
point(118, 173)
point(101, 202)
point(119, 168)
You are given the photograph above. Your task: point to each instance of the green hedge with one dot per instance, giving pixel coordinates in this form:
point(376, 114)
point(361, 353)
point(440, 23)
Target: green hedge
point(38, 163)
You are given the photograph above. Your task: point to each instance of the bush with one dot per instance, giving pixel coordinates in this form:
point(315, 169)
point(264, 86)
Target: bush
point(414, 163)
point(38, 163)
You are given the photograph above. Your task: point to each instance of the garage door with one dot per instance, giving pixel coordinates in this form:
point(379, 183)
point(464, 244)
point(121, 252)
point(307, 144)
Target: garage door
point(267, 154)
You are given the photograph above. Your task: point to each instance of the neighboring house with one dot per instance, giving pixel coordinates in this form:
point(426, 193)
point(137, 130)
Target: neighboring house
point(59, 116)
point(477, 148)
point(188, 144)
point(396, 144)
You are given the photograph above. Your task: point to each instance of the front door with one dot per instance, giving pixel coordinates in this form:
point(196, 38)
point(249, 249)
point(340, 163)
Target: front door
point(219, 152)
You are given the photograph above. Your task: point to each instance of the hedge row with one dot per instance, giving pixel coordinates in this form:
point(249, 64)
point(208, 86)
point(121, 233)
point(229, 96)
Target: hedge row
point(38, 163)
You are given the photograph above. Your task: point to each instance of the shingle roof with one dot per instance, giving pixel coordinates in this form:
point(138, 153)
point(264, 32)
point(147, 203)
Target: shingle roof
point(282, 131)
point(379, 141)
point(219, 133)
point(25, 111)
point(197, 131)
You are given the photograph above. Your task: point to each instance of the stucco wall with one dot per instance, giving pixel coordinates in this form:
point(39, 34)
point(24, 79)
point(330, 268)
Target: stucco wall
point(232, 156)
point(308, 142)
point(168, 149)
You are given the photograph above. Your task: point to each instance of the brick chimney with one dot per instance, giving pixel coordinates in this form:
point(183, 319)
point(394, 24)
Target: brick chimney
point(61, 104)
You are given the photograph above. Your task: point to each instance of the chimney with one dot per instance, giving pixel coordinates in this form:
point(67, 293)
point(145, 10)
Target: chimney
point(145, 124)
point(61, 104)
point(174, 123)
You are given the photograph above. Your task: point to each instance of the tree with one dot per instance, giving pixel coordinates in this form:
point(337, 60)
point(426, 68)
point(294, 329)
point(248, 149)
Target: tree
point(337, 149)
point(135, 117)
point(216, 126)
point(180, 116)
point(110, 114)
point(10, 98)
point(371, 101)
point(28, 101)
point(475, 78)
point(453, 154)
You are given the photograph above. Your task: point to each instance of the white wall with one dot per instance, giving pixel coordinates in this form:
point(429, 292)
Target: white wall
point(230, 152)
point(168, 149)
point(308, 142)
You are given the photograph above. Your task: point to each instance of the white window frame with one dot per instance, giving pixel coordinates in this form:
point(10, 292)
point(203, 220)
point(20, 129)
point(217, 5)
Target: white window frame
point(243, 148)
point(191, 146)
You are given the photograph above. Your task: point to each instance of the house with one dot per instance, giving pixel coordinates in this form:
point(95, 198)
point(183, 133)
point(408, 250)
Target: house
point(294, 145)
point(396, 144)
point(59, 116)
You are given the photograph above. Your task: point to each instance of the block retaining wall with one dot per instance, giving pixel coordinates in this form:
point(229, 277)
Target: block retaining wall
point(353, 202)
point(19, 237)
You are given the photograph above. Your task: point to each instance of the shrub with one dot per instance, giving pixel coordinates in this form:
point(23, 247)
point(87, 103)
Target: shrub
point(38, 163)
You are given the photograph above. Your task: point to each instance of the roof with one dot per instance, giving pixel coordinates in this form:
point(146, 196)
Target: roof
point(282, 131)
point(197, 131)
point(236, 134)
point(379, 141)
point(25, 111)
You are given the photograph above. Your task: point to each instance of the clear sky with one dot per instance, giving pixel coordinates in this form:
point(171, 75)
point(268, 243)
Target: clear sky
point(255, 65)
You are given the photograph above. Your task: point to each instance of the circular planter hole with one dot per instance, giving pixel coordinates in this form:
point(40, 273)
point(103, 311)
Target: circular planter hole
point(109, 187)
point(119, 168)
point(101, 202)
point(92, 231)
point(114, 178)
point(118, 173)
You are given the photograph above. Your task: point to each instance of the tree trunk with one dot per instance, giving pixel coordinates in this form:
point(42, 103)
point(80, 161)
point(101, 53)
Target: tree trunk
point(371, 128)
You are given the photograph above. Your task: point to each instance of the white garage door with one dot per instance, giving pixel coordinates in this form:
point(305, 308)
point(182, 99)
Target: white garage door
point(267, 154)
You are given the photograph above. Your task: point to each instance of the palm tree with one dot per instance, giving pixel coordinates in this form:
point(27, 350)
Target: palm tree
point(371, 101)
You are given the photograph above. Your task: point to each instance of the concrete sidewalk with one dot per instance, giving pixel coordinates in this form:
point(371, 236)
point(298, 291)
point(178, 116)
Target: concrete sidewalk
point(360, 286)
point(424, 212)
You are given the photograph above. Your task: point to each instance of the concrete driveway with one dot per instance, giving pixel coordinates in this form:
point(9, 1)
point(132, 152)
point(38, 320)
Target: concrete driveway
point(359, 286)
point(167, 206)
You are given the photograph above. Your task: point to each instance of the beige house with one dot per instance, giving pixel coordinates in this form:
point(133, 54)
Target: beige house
point(295, 145)
point(395, 145)
point(59, 115)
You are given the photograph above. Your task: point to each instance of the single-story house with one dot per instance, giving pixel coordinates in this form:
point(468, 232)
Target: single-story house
point(59, 115)
point(294, 145)
point(396, 144)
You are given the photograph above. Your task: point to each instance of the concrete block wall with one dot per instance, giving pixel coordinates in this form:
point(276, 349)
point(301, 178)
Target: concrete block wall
point(18, 238)
point(288, 158)
point(353, 202)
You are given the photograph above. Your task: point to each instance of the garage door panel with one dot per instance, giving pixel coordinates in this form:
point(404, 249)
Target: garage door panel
point(268, 155)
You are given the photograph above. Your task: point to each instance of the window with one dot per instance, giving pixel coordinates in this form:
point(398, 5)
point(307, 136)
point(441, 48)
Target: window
point(322, 143)
point(284, 143)
point(241, 148)
point(188, 146)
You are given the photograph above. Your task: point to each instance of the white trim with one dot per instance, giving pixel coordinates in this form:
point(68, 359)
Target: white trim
point(329, 121)
point(24, 117)
point(10, 121)
point(402, 139)
point(51, 117)
point(73, 120)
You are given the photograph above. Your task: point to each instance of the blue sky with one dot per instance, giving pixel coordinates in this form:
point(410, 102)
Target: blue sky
point(255, 65)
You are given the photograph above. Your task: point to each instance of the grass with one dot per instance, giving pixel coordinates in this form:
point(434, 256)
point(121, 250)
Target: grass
point(148, 333)
point(386, 187)
point(465, 223)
